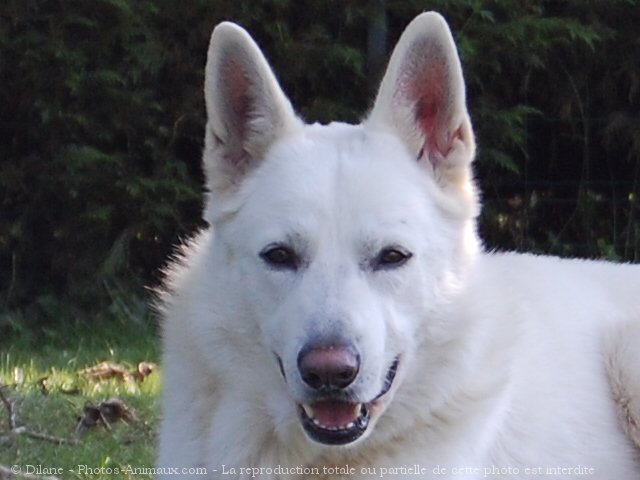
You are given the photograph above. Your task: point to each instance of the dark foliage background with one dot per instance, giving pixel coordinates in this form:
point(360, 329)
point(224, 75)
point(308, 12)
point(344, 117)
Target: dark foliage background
point(101, 121)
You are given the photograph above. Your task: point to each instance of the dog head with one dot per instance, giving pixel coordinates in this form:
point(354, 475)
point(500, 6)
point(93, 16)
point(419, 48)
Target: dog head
point(340, 245)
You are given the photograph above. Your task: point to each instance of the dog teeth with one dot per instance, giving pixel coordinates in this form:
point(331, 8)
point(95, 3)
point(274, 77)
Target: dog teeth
point(308, 410)
point(358, 410)
point(333, 428)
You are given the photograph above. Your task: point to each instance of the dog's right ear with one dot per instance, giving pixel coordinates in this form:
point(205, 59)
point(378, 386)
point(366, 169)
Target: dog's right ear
point(246, 108)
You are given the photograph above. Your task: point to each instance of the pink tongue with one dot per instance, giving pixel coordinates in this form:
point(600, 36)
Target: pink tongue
point(332, 413)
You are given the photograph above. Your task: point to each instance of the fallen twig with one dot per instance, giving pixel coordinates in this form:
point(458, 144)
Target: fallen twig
point(9, 406)
point(44, 436)
point(14, 429)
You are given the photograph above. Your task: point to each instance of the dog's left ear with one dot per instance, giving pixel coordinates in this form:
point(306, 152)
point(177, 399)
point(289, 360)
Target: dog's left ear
point(422, 99)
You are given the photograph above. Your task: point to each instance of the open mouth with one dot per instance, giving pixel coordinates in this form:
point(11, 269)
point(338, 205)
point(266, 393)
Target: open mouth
point(338, 422)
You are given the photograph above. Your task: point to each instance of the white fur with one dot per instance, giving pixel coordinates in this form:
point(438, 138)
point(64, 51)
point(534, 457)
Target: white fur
point(507, 361)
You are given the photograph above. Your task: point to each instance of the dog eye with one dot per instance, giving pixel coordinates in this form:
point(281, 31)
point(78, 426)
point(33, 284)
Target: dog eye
point(280, 256)
point(391, 257)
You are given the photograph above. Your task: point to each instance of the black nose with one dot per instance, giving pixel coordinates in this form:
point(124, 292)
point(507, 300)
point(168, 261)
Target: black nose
point(328, 366)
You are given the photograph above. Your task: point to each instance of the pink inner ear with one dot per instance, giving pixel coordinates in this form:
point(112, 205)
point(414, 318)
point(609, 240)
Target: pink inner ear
point(429, 94)
point(236, 89)
point(236, 81)
point(427, 110)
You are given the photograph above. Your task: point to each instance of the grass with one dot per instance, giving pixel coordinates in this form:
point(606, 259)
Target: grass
point(55, 409)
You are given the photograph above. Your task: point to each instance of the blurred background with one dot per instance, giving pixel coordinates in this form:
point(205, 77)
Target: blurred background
point(102, 120)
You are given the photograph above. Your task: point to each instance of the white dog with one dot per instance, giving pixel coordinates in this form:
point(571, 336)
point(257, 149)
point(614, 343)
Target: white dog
point(341, 320)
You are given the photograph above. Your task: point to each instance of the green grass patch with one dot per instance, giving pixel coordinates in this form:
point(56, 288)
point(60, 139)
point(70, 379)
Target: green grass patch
point(43, 379)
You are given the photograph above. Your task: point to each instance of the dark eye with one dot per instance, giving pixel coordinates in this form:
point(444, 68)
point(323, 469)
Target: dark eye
point(280, 256)
point(391, 257)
